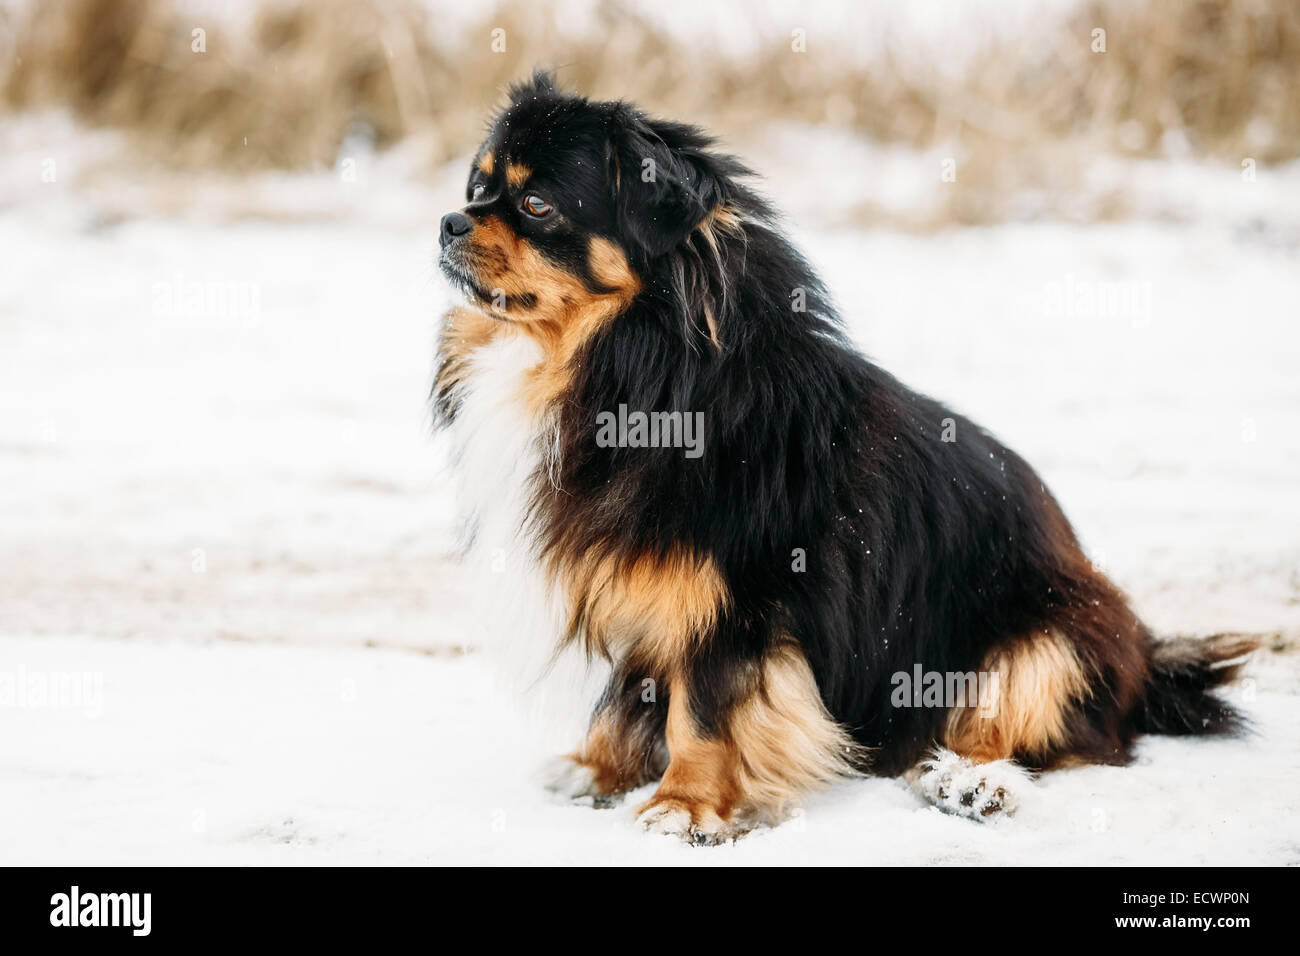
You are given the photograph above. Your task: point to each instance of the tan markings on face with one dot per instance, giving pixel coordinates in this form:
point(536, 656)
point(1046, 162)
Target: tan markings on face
point(778, 744)
point(660, 604)
point(488, 251)
point(486, 163)
point(517, 174)
point(1033, 684)
point(568, 314)
point(563, 313)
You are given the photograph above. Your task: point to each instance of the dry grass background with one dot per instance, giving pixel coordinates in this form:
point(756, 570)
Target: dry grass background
point(1212, 78)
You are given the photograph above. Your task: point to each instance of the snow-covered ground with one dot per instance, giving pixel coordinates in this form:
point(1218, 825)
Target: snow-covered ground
point(220, 503)
point(228, 753)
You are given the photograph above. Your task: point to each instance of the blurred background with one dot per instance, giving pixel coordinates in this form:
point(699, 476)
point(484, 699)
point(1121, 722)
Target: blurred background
point(1078, 222)
point(223, 514)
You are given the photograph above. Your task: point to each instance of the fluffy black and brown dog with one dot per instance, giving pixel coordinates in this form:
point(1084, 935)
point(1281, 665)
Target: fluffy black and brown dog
point(676, 465)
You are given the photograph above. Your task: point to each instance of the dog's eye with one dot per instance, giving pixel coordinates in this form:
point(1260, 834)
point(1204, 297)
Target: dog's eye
point(535, 205)
point(477, 190)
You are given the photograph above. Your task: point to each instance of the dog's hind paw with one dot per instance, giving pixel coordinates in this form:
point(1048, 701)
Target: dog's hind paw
point(983, 791)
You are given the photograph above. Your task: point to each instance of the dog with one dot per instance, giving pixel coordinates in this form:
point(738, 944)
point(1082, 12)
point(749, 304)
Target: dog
point(679, 469)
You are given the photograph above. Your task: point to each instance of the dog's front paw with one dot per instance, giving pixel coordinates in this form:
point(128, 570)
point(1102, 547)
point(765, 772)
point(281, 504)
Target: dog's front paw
point(983, 791)
point(571, 779)
point(693, 822)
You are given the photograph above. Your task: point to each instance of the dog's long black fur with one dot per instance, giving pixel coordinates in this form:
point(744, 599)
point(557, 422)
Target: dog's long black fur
point(868, 523)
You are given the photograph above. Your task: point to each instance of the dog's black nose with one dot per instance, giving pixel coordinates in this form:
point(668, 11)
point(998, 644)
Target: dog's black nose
point(454, 224)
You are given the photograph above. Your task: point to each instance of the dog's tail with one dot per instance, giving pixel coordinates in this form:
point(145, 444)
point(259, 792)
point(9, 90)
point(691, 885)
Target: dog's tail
point(1184, 671)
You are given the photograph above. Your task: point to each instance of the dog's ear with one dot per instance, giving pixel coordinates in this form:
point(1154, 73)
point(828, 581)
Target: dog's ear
point(664, 181)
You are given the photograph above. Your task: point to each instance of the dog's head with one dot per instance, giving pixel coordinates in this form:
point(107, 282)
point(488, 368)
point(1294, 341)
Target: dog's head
point(570, 204)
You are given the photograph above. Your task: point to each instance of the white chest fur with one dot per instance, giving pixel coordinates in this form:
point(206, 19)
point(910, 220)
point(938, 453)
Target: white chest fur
point(497, 449)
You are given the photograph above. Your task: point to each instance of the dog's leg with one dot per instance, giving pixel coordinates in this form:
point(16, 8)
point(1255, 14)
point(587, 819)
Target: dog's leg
point(1027, 710)
point(748, 762)
point(700, 794)
point(606, 765)
point(624, 748)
